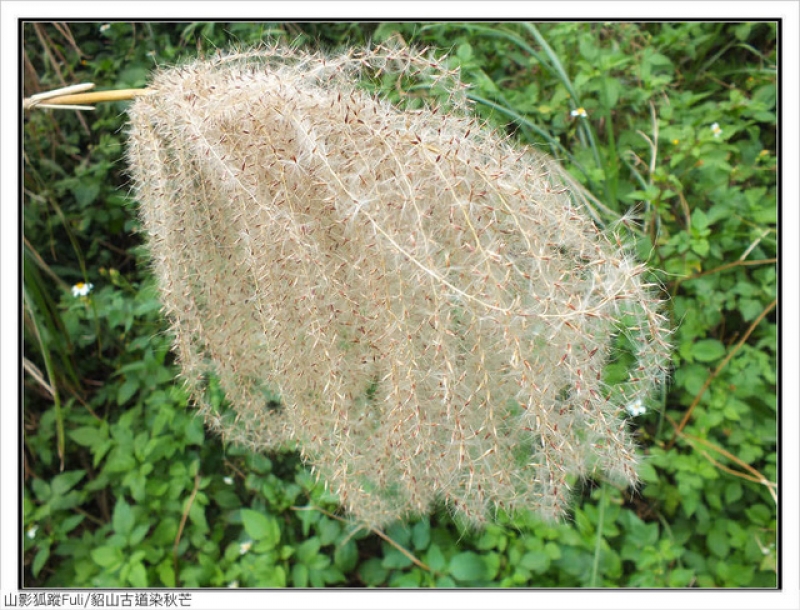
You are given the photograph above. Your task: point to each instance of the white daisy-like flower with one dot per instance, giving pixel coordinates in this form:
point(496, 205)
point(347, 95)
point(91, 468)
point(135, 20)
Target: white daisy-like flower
point(32, 532)
point(228, 480)
point(636, 408)
point(245, 546)
point(105, 27)
point(234, 585)
point(579, 112)
point(81, 290)
point(716, 130)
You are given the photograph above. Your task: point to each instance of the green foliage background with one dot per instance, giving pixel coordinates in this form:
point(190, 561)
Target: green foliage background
point(120, 476)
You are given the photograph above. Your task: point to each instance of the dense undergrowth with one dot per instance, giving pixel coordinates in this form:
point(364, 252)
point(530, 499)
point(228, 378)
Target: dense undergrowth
point(672, 126)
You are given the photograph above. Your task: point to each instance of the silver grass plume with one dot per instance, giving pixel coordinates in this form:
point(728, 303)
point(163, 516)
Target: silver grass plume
point(433, 308)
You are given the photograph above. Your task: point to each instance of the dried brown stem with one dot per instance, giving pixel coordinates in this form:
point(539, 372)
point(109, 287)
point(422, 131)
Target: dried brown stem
point(687, 416)
point(83, 98)
point(184, 517)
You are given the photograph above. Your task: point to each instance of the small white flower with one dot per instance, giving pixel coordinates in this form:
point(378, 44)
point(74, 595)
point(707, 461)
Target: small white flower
point(105, 27)
point(234, 585)
point(579, 112)
point(636, 408)
point(32, 532)
point(81, 290)
point(716, 130)
point(228, 480)
point(245, 546)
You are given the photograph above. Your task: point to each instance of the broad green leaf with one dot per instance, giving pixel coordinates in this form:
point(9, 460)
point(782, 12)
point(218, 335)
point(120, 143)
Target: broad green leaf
point(421, 535)
point(165, 531)
point(329, 531)
point(123, 519)
point(713, 499)
point(346, 556)
point(701, 246)
point(691, 377)
point(407, 580)
point(750, 308)
point(197, 515)
point(535, 561)
point(41, 558)
point(138, 575)
point(100, 452)
point(468, 566)
point(394, 559)
point(138, 534)
point(308, 551)
point(681, 577)
point(699, 220)
point(400, 533)
point(166, 573)
point(133, 76)
point(89, 436)
point(299, 575)
point(434, 558)
point(260, 527)
point(758, 514)
point(647, 473)
point(718, 543)
point(733, 492)
point(445, 582)
point(372, 572)
point(708, 350)
point(610, 90)
point(318, 562)
point(107, 557)
point(552, 551)
point(330, 576)
point(226, 498)
point(126, 390)
point(41, 490)
point(70, 523)
point(62, 483)
point(195, 431)
point(275, 578)
point(86, 192)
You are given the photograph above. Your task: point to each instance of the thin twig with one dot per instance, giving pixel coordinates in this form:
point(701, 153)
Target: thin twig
point(89, 516)
point(37, 375)
point(754, 476)
point(738, 263)
point(400, 548)
point(747, 477)
point(717, 371)
point(184, 517)
point(374, 530)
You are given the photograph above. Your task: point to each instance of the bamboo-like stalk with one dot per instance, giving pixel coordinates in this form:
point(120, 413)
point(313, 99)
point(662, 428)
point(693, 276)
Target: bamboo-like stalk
point(77, 97)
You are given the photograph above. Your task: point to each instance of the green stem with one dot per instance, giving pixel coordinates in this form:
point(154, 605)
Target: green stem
point(599, 538)
point(51, 374)
point(612, 167)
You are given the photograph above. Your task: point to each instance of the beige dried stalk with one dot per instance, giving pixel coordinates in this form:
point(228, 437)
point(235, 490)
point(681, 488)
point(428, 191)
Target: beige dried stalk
point(433, 309)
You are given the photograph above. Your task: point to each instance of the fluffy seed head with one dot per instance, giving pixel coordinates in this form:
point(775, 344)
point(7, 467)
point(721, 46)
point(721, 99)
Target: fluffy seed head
point(432, 307)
